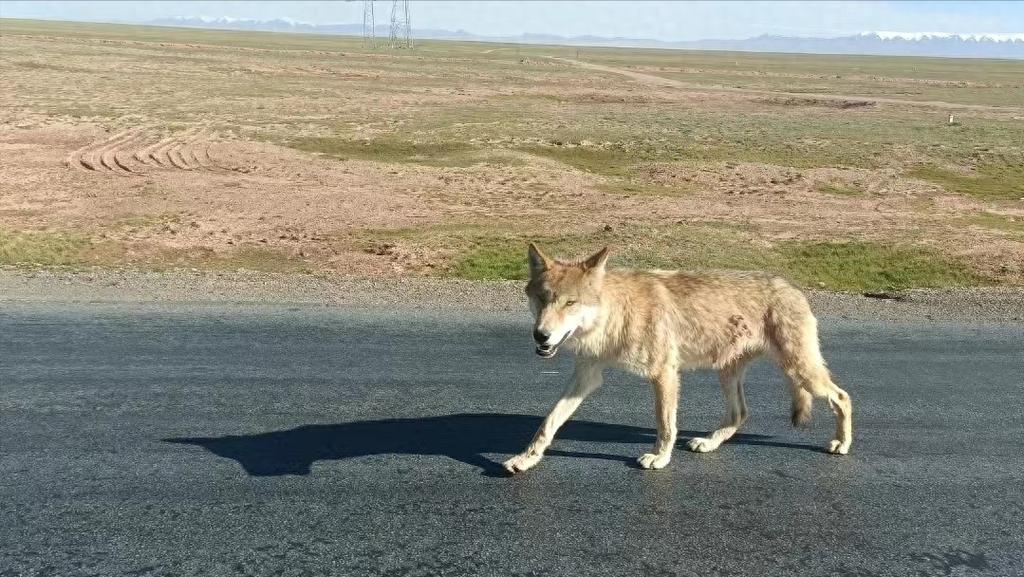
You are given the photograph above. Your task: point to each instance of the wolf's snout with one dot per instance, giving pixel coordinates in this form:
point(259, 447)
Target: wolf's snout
point(541, 336)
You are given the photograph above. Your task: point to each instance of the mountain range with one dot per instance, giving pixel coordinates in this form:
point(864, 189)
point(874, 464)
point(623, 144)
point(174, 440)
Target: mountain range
point(870, 43)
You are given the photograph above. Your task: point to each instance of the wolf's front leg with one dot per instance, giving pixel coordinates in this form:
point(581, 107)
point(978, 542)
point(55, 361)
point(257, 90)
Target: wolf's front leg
point(585, 380)
point(666, 399)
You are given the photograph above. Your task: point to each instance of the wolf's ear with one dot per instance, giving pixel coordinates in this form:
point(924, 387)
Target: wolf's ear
point(539, 262)
point(598, 261)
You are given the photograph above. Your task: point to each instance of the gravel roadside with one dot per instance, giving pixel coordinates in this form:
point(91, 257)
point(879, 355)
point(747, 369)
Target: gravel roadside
point(984, 306)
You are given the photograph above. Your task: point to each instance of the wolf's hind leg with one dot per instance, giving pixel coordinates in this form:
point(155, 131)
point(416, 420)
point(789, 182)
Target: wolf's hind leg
point(793, 332)
point(842, 407)
point(585, 380)
point(666, 401)
point(820, 384)
point(731, 379)
point(801, 361)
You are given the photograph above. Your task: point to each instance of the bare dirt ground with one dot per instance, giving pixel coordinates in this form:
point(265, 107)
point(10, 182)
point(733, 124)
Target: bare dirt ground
point(190, 150)
point(200, 192)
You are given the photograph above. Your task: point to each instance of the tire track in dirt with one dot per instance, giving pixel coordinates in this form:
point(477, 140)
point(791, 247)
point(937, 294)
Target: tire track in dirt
point(146, 154)
point(123, 156)
point(160, 154)
point(188, 151)
point(197, 153)
point(175, 157)
point(108, 156)
point(88, 157)
point(654, 80)
point(142, 149)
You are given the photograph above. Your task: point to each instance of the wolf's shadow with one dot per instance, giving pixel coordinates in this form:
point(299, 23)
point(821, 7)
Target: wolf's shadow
point(463, 437)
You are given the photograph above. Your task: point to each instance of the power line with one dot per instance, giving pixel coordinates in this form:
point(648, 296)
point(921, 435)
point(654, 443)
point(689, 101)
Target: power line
point(369, 25)
point(401, 25)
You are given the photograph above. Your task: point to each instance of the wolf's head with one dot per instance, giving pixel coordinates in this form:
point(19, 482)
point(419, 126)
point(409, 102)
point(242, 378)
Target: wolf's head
point(564, 297)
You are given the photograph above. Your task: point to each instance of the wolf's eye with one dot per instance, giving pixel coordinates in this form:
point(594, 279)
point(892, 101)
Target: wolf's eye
point(569, 303)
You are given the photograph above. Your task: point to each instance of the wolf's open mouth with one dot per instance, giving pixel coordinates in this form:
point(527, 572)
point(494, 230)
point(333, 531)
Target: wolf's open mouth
point(548, 351)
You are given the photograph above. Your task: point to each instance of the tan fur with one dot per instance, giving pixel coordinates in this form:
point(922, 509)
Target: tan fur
point(657, 323)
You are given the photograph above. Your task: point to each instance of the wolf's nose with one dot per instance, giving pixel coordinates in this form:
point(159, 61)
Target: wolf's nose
point(540, 336)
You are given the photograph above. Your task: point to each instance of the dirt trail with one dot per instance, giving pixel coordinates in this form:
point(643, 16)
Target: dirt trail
point(652, 80)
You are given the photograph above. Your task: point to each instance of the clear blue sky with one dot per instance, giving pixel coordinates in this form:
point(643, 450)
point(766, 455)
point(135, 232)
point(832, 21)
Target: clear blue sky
point(660, 20)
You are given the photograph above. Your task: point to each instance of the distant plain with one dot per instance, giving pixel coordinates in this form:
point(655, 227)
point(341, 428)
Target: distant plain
point(158, 148)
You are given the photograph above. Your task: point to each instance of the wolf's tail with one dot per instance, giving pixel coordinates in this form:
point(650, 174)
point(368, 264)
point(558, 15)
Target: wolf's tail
point(803, 403)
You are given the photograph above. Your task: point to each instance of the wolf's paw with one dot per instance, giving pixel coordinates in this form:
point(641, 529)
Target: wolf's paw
point(702, 445)
point(837, 447)
point(521, 462)
point(652, 461)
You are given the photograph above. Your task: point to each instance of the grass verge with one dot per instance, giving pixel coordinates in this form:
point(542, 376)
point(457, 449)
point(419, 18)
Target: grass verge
point(476, 253)
point(42, 248)
point(858, 266)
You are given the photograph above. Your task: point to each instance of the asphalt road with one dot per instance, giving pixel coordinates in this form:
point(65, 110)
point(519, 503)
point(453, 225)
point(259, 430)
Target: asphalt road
point(181, 440)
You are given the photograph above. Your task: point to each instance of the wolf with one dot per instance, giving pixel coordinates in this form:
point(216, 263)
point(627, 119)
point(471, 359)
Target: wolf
point(657, 323)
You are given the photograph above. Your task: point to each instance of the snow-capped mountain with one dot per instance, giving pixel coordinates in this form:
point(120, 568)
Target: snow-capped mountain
point(973, 45)
point(943, 44)
point(918, 36)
